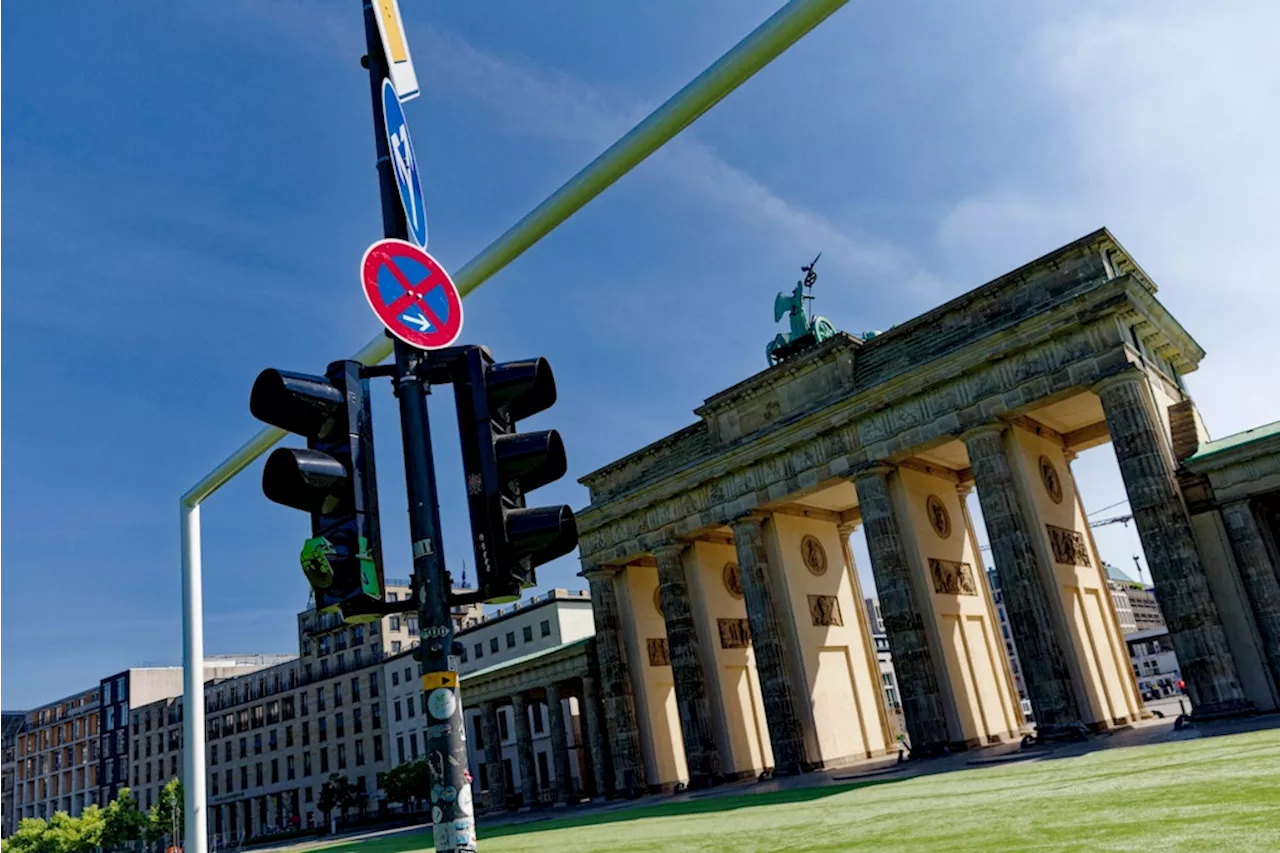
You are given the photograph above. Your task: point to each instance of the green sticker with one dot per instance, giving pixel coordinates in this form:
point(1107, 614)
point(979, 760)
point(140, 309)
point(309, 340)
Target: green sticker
point(315, 562)
point(368, 571)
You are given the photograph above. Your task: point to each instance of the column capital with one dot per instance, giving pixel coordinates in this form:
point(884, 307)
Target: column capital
point(670, 549)
point(1124, 377)
point(995, 427)
point(847, 528)
point(964, 489)
point(593, 572)
point(874, 468)
point(755, 519)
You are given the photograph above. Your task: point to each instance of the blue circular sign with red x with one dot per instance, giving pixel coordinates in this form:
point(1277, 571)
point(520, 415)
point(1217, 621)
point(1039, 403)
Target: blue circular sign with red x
point(411, 294)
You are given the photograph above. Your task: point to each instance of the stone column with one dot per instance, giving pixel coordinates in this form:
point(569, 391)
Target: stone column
point(524, 753)
point(594, 735)
point(1023, 584)
point(769, 641)
point(619, 703)
point(493, 756)
point(692, 701)
point(1259, 576)
point(904, 625)
point(1183, 588)
point(559, 746)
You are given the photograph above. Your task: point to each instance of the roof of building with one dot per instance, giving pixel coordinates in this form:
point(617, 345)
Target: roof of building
point(1148, 634)
point(524, 659)
point(1239, 439)
point(12, 724)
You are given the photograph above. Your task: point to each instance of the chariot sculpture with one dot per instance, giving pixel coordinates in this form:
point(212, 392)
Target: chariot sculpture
point(806, 330)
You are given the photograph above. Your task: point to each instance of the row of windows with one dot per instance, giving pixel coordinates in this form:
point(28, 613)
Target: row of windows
point(283, 709)
point(273, 740)
point(268, 773)
point(478, 648)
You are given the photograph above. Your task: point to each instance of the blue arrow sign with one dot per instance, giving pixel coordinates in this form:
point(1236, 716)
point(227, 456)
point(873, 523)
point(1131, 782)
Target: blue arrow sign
point(404, 164)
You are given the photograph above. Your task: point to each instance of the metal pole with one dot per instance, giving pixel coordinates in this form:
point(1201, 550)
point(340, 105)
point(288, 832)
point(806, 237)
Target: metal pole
point(748, 56)
point(450, 791)
point(195, 836)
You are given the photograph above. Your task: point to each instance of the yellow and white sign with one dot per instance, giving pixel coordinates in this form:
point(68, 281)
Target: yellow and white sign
point(396, 47)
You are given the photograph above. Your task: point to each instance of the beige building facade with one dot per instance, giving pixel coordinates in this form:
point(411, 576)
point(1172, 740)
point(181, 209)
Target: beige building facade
point(56, 758)
point(732, 635)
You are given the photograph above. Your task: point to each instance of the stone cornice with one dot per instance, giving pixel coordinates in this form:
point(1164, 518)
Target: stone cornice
point(572, 660)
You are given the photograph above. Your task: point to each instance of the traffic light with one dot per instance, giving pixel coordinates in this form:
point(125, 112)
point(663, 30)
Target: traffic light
point(333, 479)
point(503, 466)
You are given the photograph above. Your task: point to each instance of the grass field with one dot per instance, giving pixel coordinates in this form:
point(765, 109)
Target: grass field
point(1217, 794)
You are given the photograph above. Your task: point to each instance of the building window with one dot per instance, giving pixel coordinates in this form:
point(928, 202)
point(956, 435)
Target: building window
point(359, 753)
point(503, 730)
point(342, 756)
point(408, 706)
point(377, 747)
point(289, 772)
point(275, 771)
point(257, 774)
point(288, 736)
point(324, 760)
point(511, 639)
point(229, 777)
point(395, 678)
point(226, 751)
point(355, 689)
point(396, 710)
point(395, 647)
point(373, 685)
point(546, 627)
point(463, 656)
point(413, 745)
point(493, 645)
point(537, 719)
point(244, 777)
point(306, 734)
point(324, 668)
point(337, 694)
point(339, 726)
point(400, 749)
point(302, 704)
point(479, 650)
point(395, 623)
point(319, 698)
point(244, 748)
point(357, 724)
point(306, 764)
point(257, 744)
point(528, 633)
point(324, 729)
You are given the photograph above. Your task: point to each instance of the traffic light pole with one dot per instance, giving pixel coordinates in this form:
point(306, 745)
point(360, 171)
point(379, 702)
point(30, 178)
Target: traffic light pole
point(452, 809)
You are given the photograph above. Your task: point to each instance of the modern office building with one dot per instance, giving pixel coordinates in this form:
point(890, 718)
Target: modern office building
point(56, 757)
point(12, 726)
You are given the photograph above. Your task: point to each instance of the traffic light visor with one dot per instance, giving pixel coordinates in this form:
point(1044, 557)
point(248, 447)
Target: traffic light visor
point(532, 459)
point(523, 388)
point(299, 403)
point(541, 534)
point(304, 479)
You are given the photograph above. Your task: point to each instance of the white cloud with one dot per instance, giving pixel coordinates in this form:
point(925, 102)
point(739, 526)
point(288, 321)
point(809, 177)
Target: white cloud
point(1164, 129)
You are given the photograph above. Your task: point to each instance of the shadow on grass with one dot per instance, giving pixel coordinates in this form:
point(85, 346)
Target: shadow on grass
point(704, 805)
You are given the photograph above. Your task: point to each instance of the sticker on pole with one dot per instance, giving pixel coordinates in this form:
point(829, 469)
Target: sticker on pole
point(411, 294)
point(396, 48)
point(404, 164)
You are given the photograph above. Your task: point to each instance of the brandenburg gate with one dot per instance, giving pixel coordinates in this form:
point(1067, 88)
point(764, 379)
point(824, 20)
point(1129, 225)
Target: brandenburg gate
point(731, 633)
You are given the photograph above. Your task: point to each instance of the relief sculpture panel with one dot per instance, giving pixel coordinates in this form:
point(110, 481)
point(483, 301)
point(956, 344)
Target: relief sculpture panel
point(1068, 546)
point(952, 578)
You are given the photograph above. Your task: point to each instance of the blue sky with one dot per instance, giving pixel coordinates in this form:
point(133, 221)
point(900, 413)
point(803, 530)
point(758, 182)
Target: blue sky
point(188, 190)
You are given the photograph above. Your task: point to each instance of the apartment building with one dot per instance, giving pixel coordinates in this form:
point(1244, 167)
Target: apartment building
point(545, 621)
point(56, 757)
point(14, 722)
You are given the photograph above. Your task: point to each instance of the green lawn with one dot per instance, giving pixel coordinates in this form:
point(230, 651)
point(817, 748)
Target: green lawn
point(1216, 794)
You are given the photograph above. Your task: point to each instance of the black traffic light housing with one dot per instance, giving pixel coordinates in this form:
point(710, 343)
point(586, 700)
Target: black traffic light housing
point(333, 479)
point(502, 466)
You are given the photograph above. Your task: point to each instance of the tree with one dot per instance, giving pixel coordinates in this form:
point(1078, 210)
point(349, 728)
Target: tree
point(31, 836)
point(167, 815)
point(406, 783)
point(337, 792)
point(122, 821)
